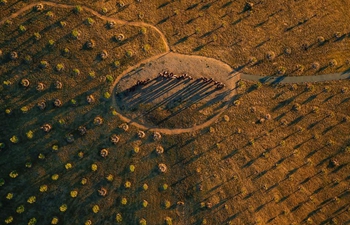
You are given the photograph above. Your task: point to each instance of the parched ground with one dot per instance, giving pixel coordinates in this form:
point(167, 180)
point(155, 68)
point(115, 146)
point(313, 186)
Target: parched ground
point(175, 103)
point(278, 155)
point(224, 30)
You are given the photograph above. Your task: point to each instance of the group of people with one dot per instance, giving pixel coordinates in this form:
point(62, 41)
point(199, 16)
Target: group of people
point(166, 74)
point(171, 75)
point(218, 84)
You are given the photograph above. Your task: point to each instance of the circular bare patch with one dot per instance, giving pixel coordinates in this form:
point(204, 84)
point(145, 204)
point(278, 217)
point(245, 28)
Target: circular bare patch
point(175, 91)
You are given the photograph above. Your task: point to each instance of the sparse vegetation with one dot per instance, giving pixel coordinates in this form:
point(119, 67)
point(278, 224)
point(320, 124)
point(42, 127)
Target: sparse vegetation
point(276, 154)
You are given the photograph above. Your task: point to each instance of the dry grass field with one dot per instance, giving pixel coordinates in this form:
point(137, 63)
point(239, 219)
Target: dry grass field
point(274, 154)
point(297, 33)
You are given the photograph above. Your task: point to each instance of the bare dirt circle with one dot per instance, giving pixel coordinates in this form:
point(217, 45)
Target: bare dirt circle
point(192, 92)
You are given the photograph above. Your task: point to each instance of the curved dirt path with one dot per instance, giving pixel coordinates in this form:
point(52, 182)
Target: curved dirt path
point(235, 76)
point(59, 5)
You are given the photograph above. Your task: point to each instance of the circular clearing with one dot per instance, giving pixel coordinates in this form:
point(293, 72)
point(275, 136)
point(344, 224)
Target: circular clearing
point(175, 91)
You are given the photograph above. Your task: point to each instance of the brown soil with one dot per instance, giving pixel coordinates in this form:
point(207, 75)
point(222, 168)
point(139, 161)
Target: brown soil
point(279, 155)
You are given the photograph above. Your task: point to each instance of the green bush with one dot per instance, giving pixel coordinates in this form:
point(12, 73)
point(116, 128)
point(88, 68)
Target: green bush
point(20, 209)
point(119, 218)
point(143, 221)
point(13, 174)
point(9, 220)
point(77, 9)
point(32, 221)
point(22, 28)
point(63, 207)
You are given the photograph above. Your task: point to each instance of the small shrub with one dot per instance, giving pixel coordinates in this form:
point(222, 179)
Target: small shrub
point(92, 74)
point(22, 28)
point(2, 182)
point(37, 36)
point(28, 165)
point(75, 33)
point(106, 95)
point(119, 37)
point(281, 70)
point(297, 107)
point(146, 47)
point(337, 34)
point(124, 201)
point(129, 53)
point(95, 208)
point(9, 196)
point(168, 221)
point(43, 64)
point(116, 64)
point(68, 166)
point(55, 147)
point(31, 199)
point(104, 10)
point(24, 109)
point(83, 181)
point(315, 65)
point(252, 60)
point(127, 184)
point(310, 87)
point(270, 55)
point(143, 30)
point(77, 9)
point(164, 187)
point(145, 186)
point(60, 67)
point(9, 220)
point(76, 72)
point(30, 134)
point(119, 218)
point(144, 204)
point(54, 220)
point(50, 43)
point(8, 23)
point(55, 177)
point(32, 221)
point(63, 23)
point(90, 21)
point(13, 174)
point(110, 177)
point(333, 63)
point(132, 168)
point(63, 208)
point(109, 78)
point(28, 59)
point(14, 139)
point(320, 39)
point(93, 167)
point(20, 209)
point(143, 221)
point(49, 15)
point(299, 68)
point(43, 188)
point(41, 156)
point(167, 204)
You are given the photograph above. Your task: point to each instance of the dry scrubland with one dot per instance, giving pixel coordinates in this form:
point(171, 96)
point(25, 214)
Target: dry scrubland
point(279, 154)
point(298, 33)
